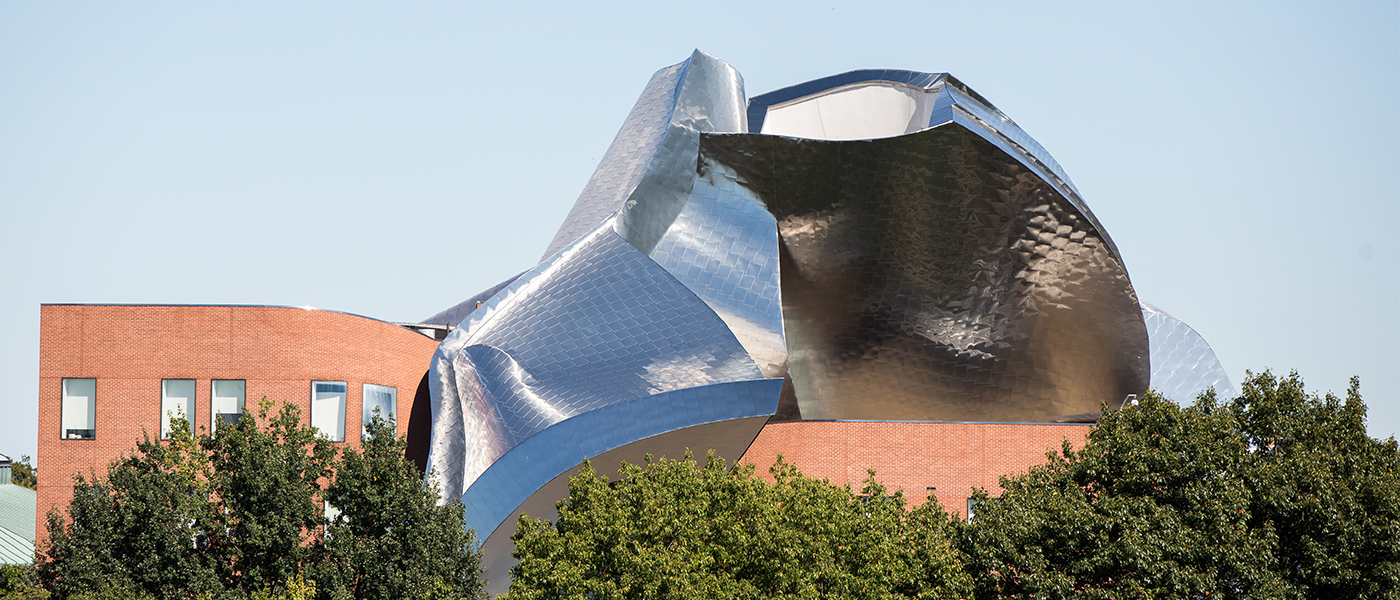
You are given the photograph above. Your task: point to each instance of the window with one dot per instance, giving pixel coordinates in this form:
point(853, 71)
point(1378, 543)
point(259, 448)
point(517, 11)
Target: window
point(176, 402)
point(328, 409)
point(79, 419)
point(971, 509)
point(383, 397)
point(331, 515)
point(228, 397)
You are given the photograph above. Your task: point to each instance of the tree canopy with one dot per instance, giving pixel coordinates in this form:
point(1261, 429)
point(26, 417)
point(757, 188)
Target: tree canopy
point(1274, 494)
point(22, 473)
point(676, 529)
point(240, 513)
point(1277, 493)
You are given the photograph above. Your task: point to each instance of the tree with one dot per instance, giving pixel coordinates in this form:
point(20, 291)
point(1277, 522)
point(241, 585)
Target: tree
point(267, 484)
point(674, 529)
point(240, 514)
point(1276, 494)
point(145, 526)
point(391, 539)
point(22, 473)
point(20, 582)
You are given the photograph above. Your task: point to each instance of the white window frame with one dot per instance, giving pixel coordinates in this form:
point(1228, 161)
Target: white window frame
point(319, 419)
point(77, 409)
point(366, 409)
point(170, 405)
point(214, 398)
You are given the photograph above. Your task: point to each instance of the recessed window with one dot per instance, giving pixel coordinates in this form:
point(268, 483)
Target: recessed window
point(383, 397)
point(227, 400)
point(79, 419)
point(328, 409)
point(971, 509)
point(176, 402)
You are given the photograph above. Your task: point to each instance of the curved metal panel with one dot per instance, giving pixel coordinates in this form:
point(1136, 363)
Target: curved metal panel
point(933, 276)
point(597, 323)
point(494, 496)
point(724, 247)
point(646, 173)
point(944, 99)
point(1183, 364)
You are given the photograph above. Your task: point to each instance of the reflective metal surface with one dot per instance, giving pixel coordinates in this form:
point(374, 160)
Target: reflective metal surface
point(932, 276)
point(1183, 364)
point(940, 99)
point(453, 316)
point(645, 176)
point(596, 324)
point(916, 257)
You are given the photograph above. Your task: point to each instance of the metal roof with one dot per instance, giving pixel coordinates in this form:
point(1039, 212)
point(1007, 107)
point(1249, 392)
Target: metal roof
point(17, 510)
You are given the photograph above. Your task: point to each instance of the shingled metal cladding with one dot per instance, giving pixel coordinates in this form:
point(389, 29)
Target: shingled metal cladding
point(600, 325)
point(1183, 364)
point(880, 245)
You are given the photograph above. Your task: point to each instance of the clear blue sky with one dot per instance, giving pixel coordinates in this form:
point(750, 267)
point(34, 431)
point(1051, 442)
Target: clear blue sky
point(392, 159)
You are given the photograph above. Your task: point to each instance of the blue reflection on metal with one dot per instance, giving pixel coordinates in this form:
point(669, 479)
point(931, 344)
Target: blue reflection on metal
point(1183, 364)
point(597, 323)
point(534, 462)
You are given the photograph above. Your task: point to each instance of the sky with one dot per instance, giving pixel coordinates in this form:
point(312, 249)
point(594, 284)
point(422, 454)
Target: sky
point(393, 159)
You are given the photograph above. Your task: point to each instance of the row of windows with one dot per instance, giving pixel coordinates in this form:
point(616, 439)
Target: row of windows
point(78, 419)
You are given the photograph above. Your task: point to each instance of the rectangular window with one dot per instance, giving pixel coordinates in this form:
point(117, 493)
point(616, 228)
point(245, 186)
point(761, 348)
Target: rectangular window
point(79, 419)
point(971, 509)
point(176, 402)
point(383, 397)
point(328, 409)
point(227, 400)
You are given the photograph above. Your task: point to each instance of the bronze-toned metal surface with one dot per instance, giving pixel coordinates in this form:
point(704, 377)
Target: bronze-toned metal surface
point(932, 276)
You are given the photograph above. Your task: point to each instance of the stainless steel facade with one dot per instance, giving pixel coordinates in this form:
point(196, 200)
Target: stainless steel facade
point(880, 245)
point(1183, 364)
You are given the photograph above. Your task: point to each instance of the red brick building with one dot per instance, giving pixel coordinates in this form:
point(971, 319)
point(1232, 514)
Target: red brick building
point(107, 374)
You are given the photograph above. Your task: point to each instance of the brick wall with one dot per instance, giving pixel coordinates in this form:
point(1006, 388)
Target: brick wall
point(277, 351)
point(952, 457)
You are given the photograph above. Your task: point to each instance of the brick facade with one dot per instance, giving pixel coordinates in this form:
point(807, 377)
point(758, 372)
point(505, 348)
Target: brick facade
point(278, 351)
point(952, 457)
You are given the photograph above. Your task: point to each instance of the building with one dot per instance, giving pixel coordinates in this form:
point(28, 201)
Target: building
point(874, 269)
point(17, 505)
point(109, 375)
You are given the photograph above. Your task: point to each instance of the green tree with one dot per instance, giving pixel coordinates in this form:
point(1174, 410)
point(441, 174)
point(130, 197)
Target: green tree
point(144, 526)
point(391, 539)
point(239, 514)
point(1276, 494)
point(267, 483)
point(23, 473)
point(674, 529)
point(20, 582)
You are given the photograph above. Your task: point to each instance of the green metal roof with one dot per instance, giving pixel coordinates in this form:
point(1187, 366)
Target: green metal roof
point(17, 507)
point(14, 549)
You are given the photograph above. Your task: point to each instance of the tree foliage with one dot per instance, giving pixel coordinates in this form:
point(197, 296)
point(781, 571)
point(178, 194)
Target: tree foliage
point(675, 529)
point(22, 473)
point(391, 540)
point(1275, 494)
point(240, 513)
